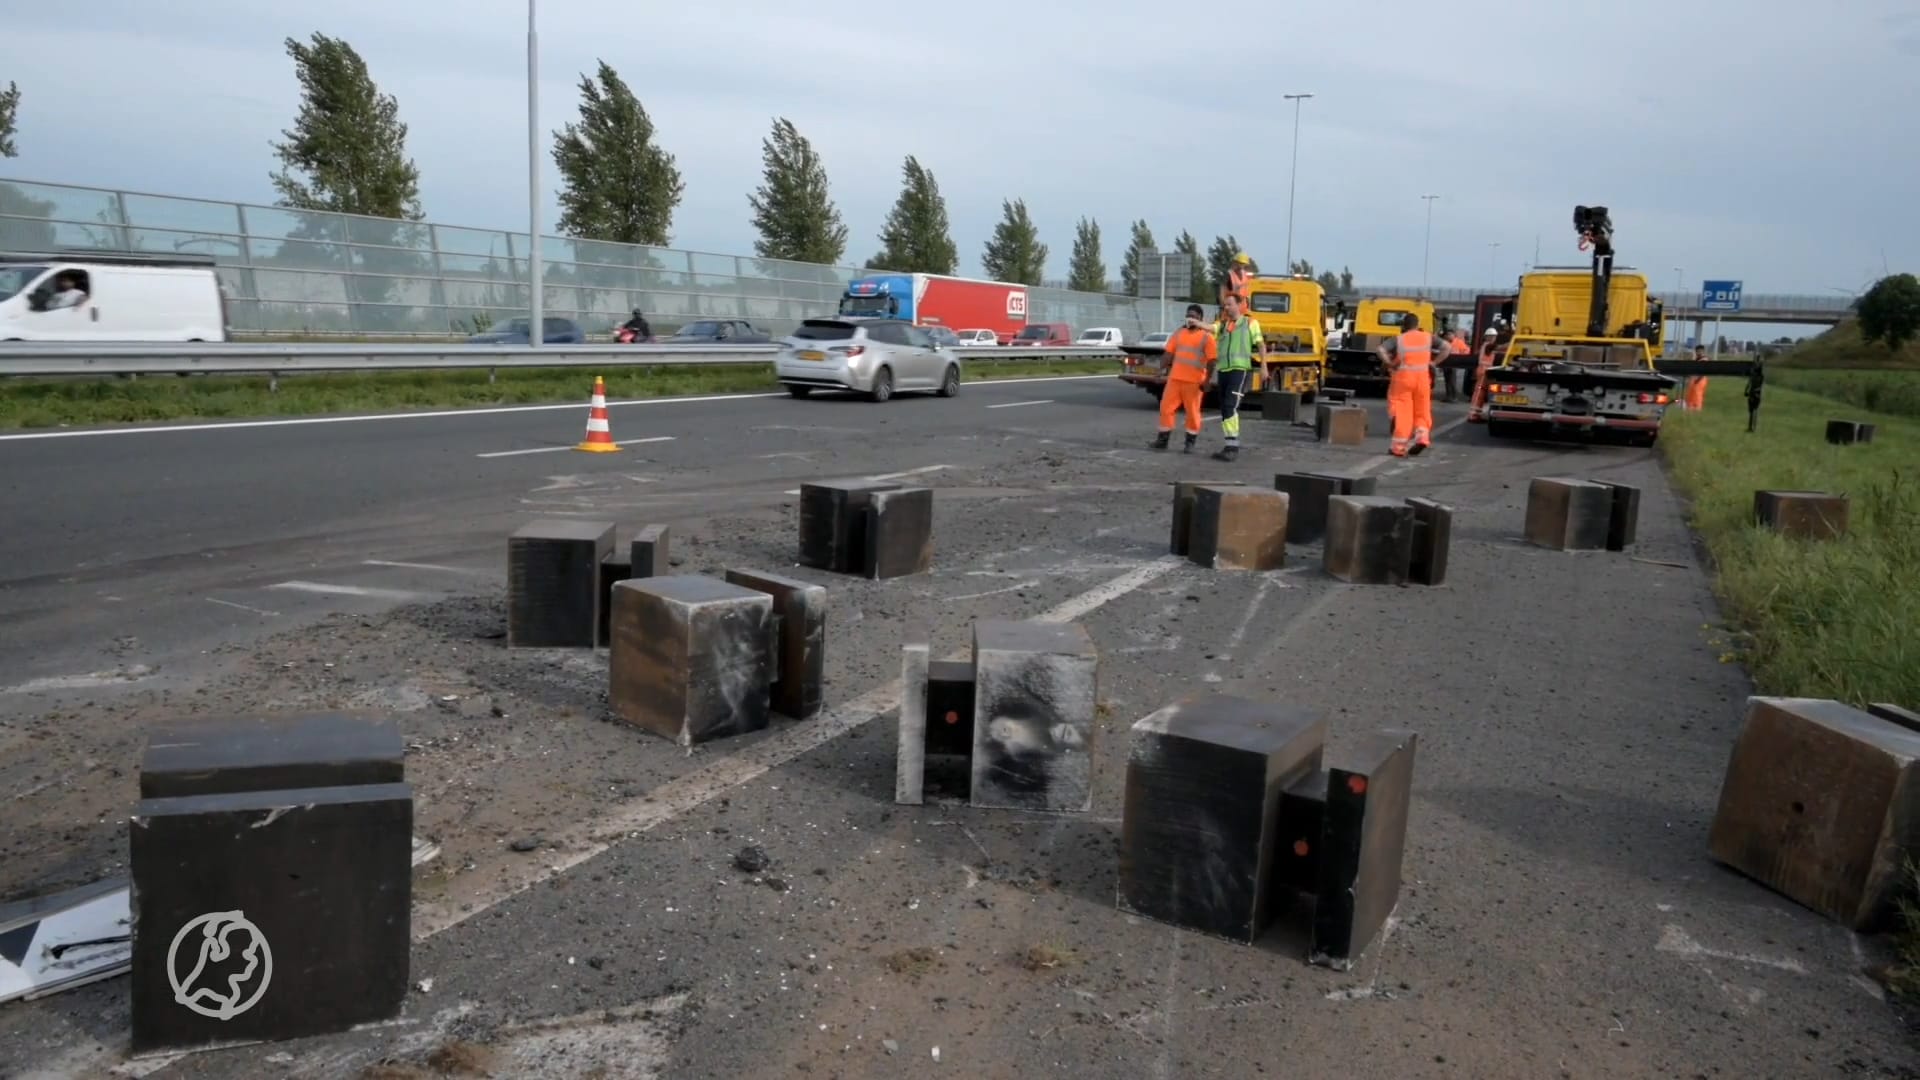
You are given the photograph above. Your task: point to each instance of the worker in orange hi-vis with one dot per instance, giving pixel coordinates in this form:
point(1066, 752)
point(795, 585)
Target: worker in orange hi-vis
point(1409, 359)
point(1191, 354)
point(1239, 274)
point(1696, 388)
point(1477, 397)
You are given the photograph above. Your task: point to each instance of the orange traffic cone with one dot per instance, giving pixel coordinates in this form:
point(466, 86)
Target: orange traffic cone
point(599, 438)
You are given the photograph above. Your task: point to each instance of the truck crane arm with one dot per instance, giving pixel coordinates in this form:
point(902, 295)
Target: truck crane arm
point(1596, 232)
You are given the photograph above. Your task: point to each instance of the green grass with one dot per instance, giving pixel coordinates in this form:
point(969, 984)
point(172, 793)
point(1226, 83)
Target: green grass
point(43, 403)
point(1842, 347)
point(1885, 391)
point(1829, 620)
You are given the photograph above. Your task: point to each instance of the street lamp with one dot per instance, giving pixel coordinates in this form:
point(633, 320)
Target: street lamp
point(536, 329)
point(1294, 174)
point(1493, 274)
point(1427, 256)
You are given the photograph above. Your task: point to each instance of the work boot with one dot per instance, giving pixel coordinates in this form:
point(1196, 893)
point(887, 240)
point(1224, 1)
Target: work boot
point(1226, 453)
point(1419, 448)
point(1160, 441)
point(1192, 441)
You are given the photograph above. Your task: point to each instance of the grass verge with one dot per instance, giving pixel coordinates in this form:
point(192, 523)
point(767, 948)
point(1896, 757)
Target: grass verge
point(1829, 620)
point(1887, 391)
point(81, 402)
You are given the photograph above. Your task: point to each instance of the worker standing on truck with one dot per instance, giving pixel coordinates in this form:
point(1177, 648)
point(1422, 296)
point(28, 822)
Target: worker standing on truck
point(1409, 359)
point(1188, 367)
point(1239, 341)
point(1477, 393)
point(1238, 275)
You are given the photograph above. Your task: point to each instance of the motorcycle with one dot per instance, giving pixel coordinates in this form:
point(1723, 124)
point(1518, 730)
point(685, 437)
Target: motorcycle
point(627, 335)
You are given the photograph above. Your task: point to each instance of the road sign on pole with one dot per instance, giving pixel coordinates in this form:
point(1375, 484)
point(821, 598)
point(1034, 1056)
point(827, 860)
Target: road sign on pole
point(1720, 296)
point(1170, 272)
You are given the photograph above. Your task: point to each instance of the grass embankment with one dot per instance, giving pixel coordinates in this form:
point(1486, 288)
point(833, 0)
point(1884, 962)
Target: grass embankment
point(77, 402)
point(1830, 620)
point(1843, 347)
point(1885, 391)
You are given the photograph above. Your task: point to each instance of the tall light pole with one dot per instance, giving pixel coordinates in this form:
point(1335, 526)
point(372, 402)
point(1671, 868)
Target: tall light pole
point(537, 327)
point(1428, 255)
point(1493, 274)
point(1294, 174)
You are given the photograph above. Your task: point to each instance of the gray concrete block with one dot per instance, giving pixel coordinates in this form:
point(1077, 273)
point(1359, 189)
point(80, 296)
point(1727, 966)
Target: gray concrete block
point(1237, 527)
point(692, 657)
point(1432, 542)
point(1340, 425)
point(833, 523)
point(910, 755)
point(1567, 514)
point(1181, 538)
point(898, 537)
point(1803, 515)
point(1369, 539)
point(648, 554)
point(1035, 693)
point(800, 645)
point(553, 583)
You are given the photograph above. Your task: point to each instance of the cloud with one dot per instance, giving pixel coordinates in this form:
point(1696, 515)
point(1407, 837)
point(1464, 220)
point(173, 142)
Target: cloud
point(1731, 139)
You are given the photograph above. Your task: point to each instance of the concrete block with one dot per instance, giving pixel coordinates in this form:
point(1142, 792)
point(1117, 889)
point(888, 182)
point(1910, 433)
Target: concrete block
point(648, 554)
point(1369, 539)
point(1237, 527)
point(1803, 515)
point(228, 756)
point(1279, 405)
point(949, 760)
point(1307, 495)
point(1182, 535)
point(614, 568)
point(1432, 541)
point(1333, 395)
point(1894, 714)
point(1848, 432)
point(1198, 835)
point(1623, 517)
point(553, 583)
point(1035, 689)
point(1363, 841)
point(1567, 514)
point(1819, 804)
point(692, 657)
point(1864, 434)
point(898, 531)
point(910, 753)
point(800, 643)
point(833, 523)
point(1340, 425)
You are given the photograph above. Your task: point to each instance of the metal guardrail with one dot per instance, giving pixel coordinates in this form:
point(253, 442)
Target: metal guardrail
point(97, 359)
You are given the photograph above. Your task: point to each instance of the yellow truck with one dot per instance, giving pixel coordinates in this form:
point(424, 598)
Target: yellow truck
point(1581, 359)
point(1353, 362)
point(1289, 310)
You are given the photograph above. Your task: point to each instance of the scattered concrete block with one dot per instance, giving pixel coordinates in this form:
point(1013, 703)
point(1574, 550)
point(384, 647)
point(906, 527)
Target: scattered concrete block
point(553, 583)
point(1198, 836)
point(1280, 405)
point(1894, 714)
point(1803, 515)
point(1567, 514)
point(1035, 687)
point(613, 568)
point(1340, 425)
point(1307, 495)
point(1623, 516)
point(1237, 527)
point(833, 523)
point(800, 641)
point(1818, 804)
point(1864, 434)
point(1182, 536)
point(1369, 539)
point(1432, 542)
point(910, 753)
point(648, 552)
point(1362, 845)
point(1848, 432)
point(1335, 395)
point(692, 657)
point(935, 752)
point(898, 533)
point(268, 913)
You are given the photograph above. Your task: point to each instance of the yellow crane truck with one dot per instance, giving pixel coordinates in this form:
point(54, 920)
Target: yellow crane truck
point(1581, 359)
point(1353, 363)
point(1289, 311)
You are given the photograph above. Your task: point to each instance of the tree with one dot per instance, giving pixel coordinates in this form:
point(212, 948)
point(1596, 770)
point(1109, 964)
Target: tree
point(1015, 253)
point(1346, 280)
point(1328, 281)
point(616, 182)
point(793, 210)
point(917, 237)
point(1087, 272)
point(9, 110)
point(1890, 311)
point(1219, 259)
point(1197, 287)
point(1141, 240)
point(346, 151)
point(1301, 266)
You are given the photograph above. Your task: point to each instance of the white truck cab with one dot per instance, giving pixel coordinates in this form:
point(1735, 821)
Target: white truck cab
point(110, 296)
point(1100, 337)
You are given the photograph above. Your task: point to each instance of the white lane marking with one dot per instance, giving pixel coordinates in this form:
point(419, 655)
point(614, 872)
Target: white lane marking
point(419, 566)
point(889, 476)
point(90, 680)
point(551, 449)
point(1677, 941)
point(1046, 378)
point(346, 590)
point(1017, 404)
point(1015, 587)
point(589, 839)
point(242, 607)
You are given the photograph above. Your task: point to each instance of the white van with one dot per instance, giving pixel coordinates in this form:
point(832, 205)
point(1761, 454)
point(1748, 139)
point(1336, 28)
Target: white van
point(110, 297)
point(1100, 337)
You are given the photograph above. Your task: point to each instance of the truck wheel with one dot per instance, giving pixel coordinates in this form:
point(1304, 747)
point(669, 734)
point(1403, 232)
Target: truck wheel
point(882, 385)
point(950, 385)
point(799, 391)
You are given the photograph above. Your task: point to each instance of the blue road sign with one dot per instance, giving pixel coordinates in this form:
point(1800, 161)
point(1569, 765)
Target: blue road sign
point(1720, 296)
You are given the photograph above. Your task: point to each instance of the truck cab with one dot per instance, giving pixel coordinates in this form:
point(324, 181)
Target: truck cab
point(1354, 362)
point(879, 296)
point(1289, 309)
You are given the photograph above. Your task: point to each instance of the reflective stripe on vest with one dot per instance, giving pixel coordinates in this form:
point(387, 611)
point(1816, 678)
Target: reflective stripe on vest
point(1236, 346)
point(1191, 350)
point(1416, 350)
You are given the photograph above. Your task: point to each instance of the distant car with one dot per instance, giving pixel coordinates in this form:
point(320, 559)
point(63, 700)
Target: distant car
point(717, 332)
point(942, 336)
point(514, 332)
point(1046, 335)
point(1100, 337)
point(1155, 341)
point(874, 357)
point(977, 339)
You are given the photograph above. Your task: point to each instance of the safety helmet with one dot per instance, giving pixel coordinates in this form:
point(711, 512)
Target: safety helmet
point(1242, 258)
point(1491, 332)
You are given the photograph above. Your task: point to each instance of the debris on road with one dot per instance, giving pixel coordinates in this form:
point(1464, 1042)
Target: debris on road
point(751, 860)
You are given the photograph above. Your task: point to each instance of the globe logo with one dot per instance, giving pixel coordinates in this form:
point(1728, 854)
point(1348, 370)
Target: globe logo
point(219, 964)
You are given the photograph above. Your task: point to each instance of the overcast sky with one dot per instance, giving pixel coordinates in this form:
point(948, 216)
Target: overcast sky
point(1751, 139)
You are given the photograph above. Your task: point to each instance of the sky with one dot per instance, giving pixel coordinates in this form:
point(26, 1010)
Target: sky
point(1746, 139)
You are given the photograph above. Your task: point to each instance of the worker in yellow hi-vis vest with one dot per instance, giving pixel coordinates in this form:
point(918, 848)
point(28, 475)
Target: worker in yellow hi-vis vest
point(1238, 340)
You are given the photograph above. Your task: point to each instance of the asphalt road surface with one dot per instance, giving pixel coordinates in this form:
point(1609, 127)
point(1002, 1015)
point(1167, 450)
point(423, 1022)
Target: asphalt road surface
point(1560, 915)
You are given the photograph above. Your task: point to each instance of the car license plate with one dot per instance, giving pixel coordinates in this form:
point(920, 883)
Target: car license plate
point(813, 354)
point(1509, 399)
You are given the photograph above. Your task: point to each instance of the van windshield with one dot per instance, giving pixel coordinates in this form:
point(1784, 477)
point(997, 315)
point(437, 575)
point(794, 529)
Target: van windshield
point(18, 276)
point(1031, 333)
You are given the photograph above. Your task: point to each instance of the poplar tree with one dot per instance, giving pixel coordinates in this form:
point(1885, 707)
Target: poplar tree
point(617, 184)
point(917, 236)
point(1087, 272)
point(9, 110)
point(793, 210)
point(1140, 240)
point(1015, 253)
point(346, 151)
point(1197, 287)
